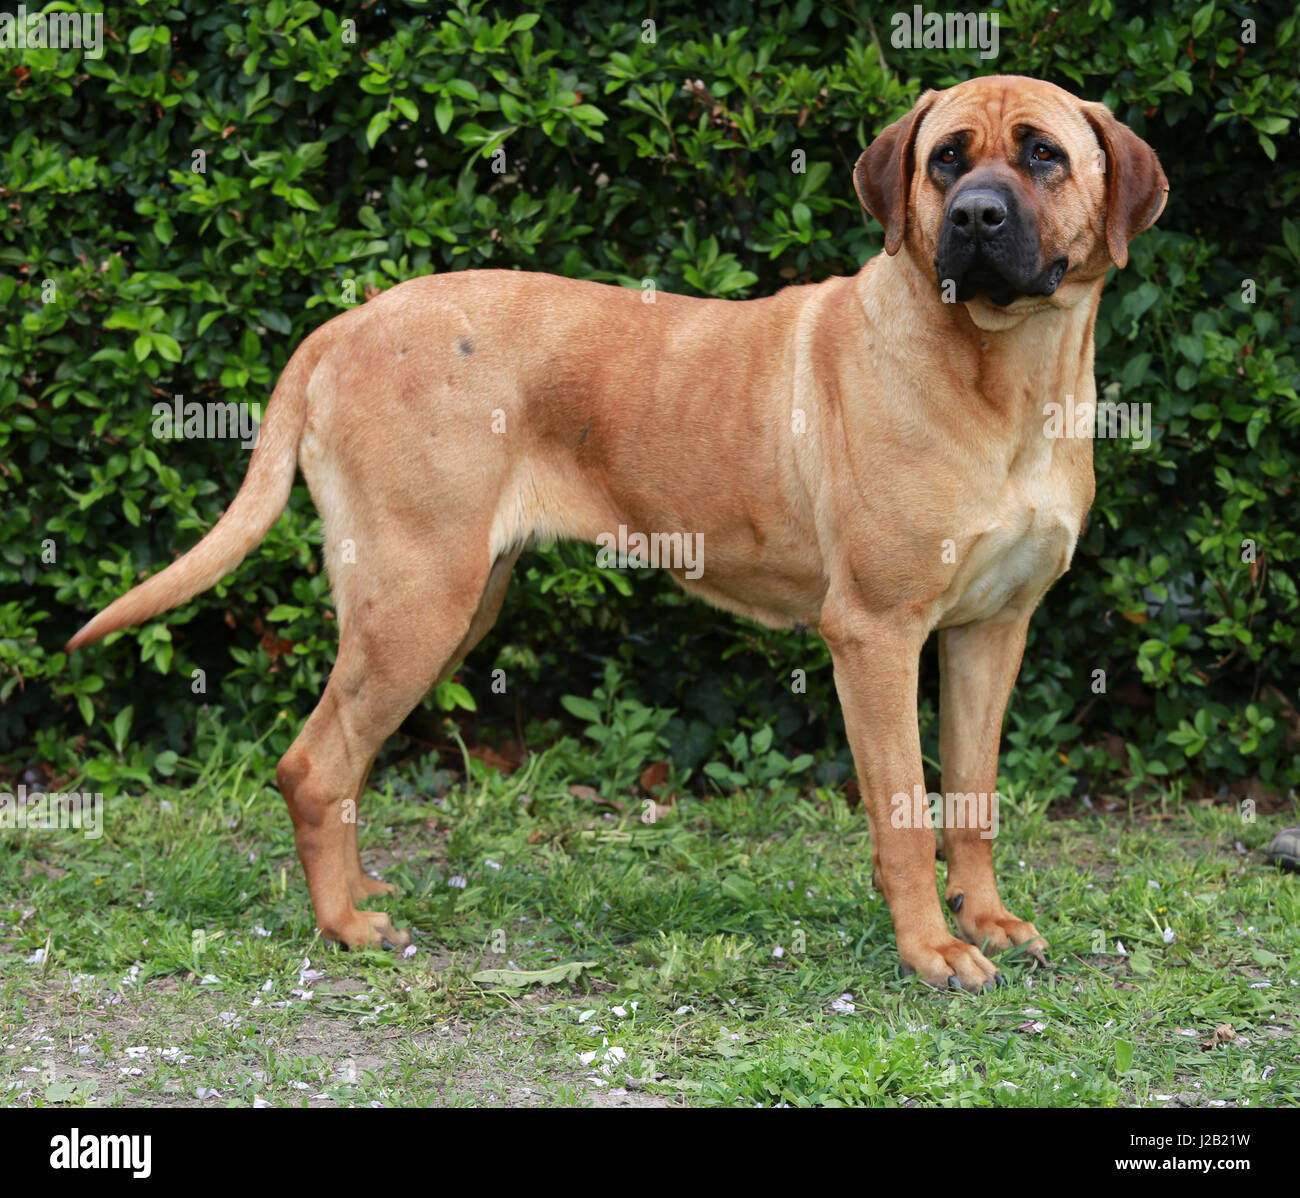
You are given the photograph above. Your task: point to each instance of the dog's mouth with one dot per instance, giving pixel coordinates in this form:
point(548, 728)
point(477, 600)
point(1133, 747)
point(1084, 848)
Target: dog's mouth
point(1001, 283)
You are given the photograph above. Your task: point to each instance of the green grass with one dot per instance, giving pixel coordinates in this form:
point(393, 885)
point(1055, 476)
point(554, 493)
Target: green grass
point(181, 935)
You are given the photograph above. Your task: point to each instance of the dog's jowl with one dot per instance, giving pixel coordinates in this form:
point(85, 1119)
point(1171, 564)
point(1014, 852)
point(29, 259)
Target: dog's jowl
point(866, 456)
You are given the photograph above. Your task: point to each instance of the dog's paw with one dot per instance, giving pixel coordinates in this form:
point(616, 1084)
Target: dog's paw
point(993, 931)
point(950, 964)
point(367, 929)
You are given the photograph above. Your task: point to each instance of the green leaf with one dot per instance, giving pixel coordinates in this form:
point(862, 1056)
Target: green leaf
point(462, 88)
point(168, 347)
point(378, 125)
point(584, 709)
point(140, 40)
point(740, 889)
point(452, 695)
point(256, 93)
point(121, 727)
point(511, 109)
point(77, 1091)
point(442, 114)
point(521, 979)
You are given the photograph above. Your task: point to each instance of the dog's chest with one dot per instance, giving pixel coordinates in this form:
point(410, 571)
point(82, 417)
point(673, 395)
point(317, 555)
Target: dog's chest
point(1016, 544)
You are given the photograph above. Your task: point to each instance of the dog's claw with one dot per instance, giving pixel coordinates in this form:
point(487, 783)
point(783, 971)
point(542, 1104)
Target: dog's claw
point(946, 964)
point(954, 903)
point(905, 971)
point(1040, 956)
point(998, 979)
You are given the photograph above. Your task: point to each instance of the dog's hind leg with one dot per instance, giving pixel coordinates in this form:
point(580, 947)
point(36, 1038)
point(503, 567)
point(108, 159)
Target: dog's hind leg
point(360, 884)
point(407, 619)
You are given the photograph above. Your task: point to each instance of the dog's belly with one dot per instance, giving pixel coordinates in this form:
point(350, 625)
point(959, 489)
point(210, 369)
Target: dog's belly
point(754, 560)
point(781, 598)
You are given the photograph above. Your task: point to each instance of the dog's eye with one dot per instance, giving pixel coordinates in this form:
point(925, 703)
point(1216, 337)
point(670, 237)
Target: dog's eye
point(947, 155)
point(1043, 153)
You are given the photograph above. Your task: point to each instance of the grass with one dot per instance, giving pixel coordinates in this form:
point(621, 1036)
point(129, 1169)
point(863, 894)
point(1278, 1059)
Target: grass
point(732, 952)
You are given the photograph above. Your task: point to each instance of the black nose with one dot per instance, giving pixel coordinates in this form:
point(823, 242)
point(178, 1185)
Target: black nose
point(978, 212)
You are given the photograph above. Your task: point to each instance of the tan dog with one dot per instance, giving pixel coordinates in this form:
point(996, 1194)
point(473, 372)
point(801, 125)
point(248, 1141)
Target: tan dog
point(865, 456)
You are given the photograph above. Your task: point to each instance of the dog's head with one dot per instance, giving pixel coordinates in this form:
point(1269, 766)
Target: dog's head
point(1011, 188)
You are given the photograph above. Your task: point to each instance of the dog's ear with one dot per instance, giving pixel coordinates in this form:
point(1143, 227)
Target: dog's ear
point(883, 175)
point(1136, 187)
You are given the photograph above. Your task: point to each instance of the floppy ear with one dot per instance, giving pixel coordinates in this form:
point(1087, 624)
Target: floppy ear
point(883, 174)
point(1136, 187)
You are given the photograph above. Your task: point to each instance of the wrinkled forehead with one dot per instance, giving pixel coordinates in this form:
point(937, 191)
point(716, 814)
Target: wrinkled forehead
point(993, 113)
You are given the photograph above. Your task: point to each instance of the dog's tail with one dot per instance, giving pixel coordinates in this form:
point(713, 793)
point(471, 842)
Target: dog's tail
point(256, 506)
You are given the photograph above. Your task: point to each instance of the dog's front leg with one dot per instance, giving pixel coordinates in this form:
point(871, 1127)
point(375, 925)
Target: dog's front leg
point(978, 664)
point(876, 677)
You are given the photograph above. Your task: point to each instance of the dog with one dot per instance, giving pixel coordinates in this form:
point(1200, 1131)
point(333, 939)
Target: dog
point(865, 456)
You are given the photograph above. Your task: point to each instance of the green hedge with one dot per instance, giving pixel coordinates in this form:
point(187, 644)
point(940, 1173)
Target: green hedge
point(355, 146)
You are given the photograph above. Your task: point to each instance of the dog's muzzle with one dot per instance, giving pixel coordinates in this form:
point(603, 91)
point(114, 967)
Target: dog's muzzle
point(988, 248)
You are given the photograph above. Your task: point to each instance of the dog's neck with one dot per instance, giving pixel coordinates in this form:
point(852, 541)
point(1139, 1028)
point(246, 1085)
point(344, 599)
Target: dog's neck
point(986, 348)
